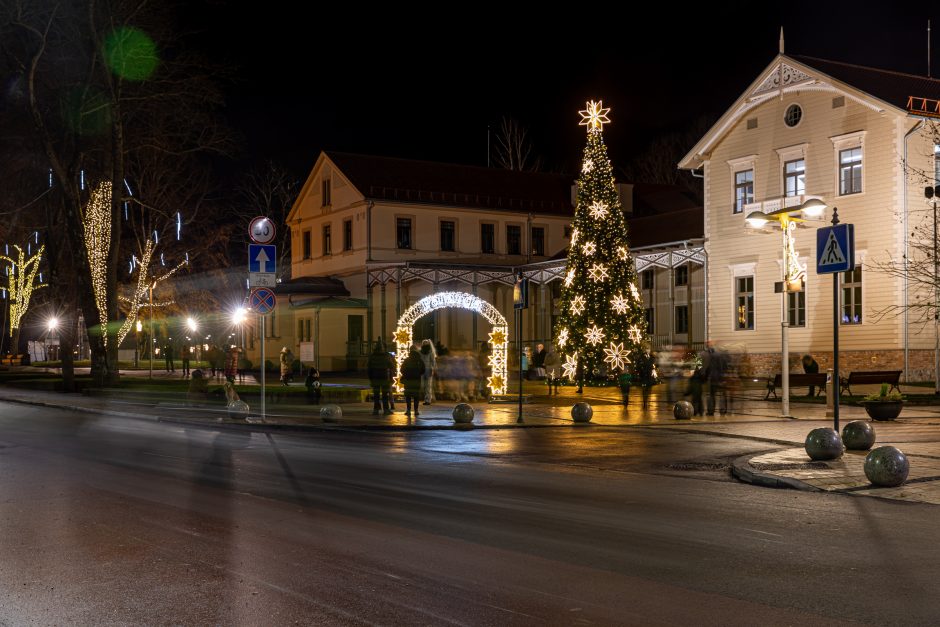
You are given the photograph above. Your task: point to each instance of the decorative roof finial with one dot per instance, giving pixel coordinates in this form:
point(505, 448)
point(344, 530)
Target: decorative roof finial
point(781, 40)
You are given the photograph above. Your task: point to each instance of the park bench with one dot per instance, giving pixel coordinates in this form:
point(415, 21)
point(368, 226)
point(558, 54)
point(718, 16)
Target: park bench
point(12, 360)
point(891, 377)
point(816, 379)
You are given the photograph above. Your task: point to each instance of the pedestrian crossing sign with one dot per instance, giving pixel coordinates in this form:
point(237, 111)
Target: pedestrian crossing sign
point(835, 249)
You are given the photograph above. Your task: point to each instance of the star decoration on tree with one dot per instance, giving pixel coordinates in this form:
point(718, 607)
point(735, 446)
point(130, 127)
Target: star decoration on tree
point(569, 278)
point(589, 248)
point(620, 304)
point(635, 292)
point(562, 338)
point(598, 209)
point(570, 367)
point(574, 236)
point(598, 272)
point(635, 334)
point(577, 305)
point(402, 336)
point(617, 356)
point(594, 116)
point(594, 335)
point(497, 338)
point(623, 253)
point(588, 166)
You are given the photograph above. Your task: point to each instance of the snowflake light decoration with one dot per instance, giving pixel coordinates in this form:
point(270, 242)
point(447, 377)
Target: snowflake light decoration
point(617, 356)
point(588, 166)
point(594, 116)
point(574, 236)
point(598, 209)
point(635, 334)
point(594, 335)
point(569, 278)
point(598, 272)
point(623, 253)
point(589, 248)
point(577, 305)
point(562, 338)
point(635, 292)
point(497, 337)
point(570, 367)
point(620, 304)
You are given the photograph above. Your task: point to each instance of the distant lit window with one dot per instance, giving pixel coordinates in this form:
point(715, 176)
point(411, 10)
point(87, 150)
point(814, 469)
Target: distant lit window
point(852, 296)
point(794, 177)
point(743, 189)
point(850, 171)
point(744, 300)
point(403, 233)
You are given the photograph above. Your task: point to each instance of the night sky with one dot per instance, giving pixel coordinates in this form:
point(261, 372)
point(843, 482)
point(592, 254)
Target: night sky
point(425, 85)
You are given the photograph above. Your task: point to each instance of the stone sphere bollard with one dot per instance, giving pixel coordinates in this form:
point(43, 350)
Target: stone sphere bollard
point(886, 467)
point(581, 412)
point(238, 410)
point(683, 410)
point(331, 413)
point(463, 414)
point(858, 435)
point(824, 443)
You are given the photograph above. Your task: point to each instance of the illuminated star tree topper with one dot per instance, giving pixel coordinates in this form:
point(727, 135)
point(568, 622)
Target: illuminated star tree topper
point(599, 301)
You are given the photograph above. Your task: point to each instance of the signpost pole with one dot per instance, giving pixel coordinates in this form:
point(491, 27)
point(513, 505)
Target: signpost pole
point(261, 326)
point(836, 386)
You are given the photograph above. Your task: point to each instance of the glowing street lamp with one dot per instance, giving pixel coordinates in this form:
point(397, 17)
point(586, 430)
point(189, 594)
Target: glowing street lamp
point(787, 218)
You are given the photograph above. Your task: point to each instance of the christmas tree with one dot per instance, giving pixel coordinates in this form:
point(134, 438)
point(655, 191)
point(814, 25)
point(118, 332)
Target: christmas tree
point(602, 326)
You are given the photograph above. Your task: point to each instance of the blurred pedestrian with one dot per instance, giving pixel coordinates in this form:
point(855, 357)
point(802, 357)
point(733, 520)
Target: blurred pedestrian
point(168, 355)
point(714, 365)
point(552, 366)
point(312, 383)
point(810, 367)
point(412, 370)
point(185, 359)
point(380, 371)
point(429, 359)
point(287, 365)
point(644, 374)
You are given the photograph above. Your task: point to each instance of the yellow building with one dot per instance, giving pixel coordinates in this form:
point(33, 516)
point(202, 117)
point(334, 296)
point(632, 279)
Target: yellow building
point(857, 138)
point(372, 236)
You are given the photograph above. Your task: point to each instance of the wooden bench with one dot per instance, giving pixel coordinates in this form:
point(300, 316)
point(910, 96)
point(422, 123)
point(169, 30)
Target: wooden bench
point(797, 379)
point(11, 360)
point(891, 377)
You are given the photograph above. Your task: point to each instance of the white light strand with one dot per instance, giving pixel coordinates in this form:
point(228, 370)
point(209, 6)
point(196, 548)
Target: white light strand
point(97, 226)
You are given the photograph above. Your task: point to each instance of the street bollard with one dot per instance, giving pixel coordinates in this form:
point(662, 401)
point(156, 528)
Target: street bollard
point(829, 393)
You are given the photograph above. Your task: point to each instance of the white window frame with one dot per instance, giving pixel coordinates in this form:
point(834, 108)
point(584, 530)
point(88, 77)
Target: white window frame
point(742, 270)
point(742, 164)
point(847, 141)
point(792, 153)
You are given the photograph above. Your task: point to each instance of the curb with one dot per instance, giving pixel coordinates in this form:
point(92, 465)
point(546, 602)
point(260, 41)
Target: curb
point(742, 471)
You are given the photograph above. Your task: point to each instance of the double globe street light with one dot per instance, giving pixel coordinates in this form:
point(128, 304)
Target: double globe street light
point(788, 219)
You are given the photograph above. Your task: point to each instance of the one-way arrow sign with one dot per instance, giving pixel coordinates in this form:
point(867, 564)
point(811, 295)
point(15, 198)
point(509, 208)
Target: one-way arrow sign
point(262, 258)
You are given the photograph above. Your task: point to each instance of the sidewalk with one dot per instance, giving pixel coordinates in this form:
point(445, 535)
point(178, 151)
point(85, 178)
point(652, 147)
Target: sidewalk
point(916, 432)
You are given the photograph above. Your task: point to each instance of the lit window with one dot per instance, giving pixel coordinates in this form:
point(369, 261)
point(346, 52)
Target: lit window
point(850, 171)
point(743, 189)
point(794, 177)
point(744, 298)
point(852, 296)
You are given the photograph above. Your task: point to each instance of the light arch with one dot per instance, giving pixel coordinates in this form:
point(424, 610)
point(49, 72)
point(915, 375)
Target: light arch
point(499, 336)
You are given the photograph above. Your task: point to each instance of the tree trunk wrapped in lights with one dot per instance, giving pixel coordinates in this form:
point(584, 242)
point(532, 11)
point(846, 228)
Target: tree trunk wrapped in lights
point(22, 274)
point(602, 324)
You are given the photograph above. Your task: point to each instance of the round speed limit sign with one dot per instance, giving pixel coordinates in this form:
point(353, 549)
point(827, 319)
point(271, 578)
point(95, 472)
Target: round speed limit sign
point(261, 230)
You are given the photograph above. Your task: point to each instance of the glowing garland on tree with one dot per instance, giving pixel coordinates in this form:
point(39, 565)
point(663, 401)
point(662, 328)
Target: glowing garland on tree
point(97, 226)
point(21, 281)
point(599, 301)
point(635, 334)
point(143, 287)
point(498, 336)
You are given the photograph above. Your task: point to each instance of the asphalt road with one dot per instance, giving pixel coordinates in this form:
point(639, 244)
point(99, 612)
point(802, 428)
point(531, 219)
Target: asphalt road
point(113, 521)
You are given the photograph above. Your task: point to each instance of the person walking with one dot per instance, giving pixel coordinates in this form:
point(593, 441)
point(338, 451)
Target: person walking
point(429, 359)
point(412, 373)
point(185, 359)
point(537, 367)
point(168, 355)
point(287, 365)
point(714, 364)
point(552, 365)
point(231, 364)
point(380, 368)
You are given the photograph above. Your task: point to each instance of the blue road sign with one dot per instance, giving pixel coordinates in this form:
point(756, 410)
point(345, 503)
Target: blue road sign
point(835, 248)
point(262, 300)
point(262, 258)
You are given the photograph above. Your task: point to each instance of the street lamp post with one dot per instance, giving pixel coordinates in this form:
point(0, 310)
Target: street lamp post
point(787, 218)
point(137, 329)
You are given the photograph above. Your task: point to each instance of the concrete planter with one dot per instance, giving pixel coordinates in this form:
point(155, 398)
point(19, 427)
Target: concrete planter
point(883, 410)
